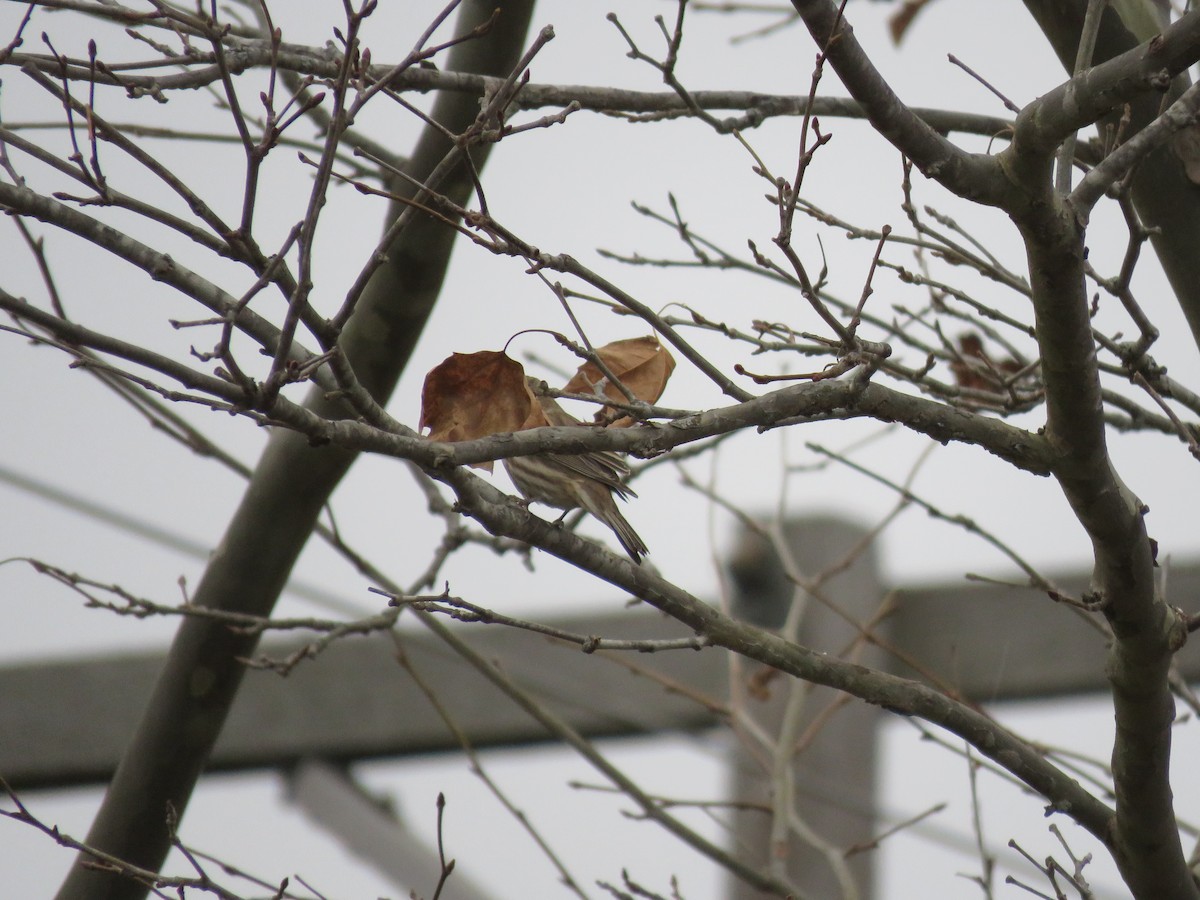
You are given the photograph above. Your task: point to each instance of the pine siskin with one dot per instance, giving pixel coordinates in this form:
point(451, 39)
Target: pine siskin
point(568, 481)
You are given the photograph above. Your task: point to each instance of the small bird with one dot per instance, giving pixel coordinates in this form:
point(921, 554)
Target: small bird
point(568, 481)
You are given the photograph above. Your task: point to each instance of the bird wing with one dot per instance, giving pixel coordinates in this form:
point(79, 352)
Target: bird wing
point(606, 468)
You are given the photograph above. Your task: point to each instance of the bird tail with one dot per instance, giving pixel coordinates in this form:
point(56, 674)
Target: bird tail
point(611, 516)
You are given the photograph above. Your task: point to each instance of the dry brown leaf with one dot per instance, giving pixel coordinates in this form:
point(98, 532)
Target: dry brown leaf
point(970, 345)
point(642, 364)
point(472, 395)
point(903, 18)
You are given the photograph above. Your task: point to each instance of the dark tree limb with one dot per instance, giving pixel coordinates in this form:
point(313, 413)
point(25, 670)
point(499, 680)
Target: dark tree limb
point(1166, 198)
point(290, 486)
point(1144, 836)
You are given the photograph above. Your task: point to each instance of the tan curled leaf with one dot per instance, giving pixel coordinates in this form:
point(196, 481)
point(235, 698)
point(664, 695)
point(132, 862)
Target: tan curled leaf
point(642, 364)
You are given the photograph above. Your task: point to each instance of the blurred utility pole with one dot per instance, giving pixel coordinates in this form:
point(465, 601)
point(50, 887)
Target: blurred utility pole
point(830, 738)
point(66, 722)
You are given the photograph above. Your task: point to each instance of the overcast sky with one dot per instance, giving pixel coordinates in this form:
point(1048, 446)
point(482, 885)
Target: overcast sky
point(567, 189)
